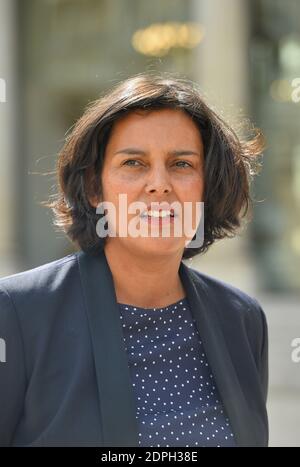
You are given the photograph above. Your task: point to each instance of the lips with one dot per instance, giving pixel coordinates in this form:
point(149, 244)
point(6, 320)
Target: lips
point(158, 214)
point(158, 210)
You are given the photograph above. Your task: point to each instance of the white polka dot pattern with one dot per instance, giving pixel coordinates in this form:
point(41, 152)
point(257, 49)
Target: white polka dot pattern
point(177, 400)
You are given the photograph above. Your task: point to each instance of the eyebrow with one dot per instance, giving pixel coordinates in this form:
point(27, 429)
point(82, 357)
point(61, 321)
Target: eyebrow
point(174, 152)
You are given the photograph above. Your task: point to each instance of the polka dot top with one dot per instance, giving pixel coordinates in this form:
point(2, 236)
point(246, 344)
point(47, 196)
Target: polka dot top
point(177, 401)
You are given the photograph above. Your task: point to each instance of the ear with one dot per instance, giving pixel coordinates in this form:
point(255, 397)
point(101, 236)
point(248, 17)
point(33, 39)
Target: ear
point(94, 200)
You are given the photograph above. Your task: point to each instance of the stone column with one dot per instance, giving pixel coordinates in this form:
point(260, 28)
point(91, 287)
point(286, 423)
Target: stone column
point(8, 137)
point(221, 69)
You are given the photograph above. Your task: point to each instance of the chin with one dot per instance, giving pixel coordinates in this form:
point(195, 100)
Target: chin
point(159, 246)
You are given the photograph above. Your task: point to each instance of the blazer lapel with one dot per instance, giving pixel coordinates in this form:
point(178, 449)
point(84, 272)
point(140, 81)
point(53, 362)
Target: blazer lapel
point(116, 397)
point(203, 308)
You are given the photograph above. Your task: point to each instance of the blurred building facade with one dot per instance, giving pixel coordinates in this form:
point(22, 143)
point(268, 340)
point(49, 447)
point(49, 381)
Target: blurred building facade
point(274, 64)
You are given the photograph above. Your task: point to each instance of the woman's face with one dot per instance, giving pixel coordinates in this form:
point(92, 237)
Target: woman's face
point(154, 156)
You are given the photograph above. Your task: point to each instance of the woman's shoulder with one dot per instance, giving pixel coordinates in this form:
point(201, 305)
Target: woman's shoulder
point(235, 309)
point(232, 298)
point(38, 277)
point(33, 300)
point(34, 295)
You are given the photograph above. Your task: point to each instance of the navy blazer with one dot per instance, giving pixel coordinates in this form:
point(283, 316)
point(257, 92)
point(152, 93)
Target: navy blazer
point(65, 379)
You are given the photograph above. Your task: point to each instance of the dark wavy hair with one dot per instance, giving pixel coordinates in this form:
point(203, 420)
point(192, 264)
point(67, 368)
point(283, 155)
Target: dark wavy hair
point(230, 161)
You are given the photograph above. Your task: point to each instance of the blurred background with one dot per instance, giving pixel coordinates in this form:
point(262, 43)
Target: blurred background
point(57, 55)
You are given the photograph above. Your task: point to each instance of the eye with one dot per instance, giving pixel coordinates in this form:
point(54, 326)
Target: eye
point(183, 162)
point(130, 160)
point(131, 163)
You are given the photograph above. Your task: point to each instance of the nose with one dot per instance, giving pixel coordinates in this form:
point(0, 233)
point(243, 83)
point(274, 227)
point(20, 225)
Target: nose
point(158, 181)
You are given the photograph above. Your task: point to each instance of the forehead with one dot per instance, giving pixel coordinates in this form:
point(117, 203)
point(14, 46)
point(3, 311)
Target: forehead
point(162, 124)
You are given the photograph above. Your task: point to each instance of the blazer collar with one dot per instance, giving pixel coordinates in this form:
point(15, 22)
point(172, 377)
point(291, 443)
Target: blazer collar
point(116, 397)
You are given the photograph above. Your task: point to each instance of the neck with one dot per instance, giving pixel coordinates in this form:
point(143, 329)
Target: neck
point(146, 282)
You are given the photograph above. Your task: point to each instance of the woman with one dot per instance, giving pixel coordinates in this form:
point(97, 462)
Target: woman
point(121, 343)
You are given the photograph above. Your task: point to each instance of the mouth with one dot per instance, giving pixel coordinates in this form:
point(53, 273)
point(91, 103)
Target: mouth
point(158, 217)
point(158, 214)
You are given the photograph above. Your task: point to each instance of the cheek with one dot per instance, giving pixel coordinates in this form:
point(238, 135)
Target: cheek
point(191, 190)
point(197, 185)
point(115, 184)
